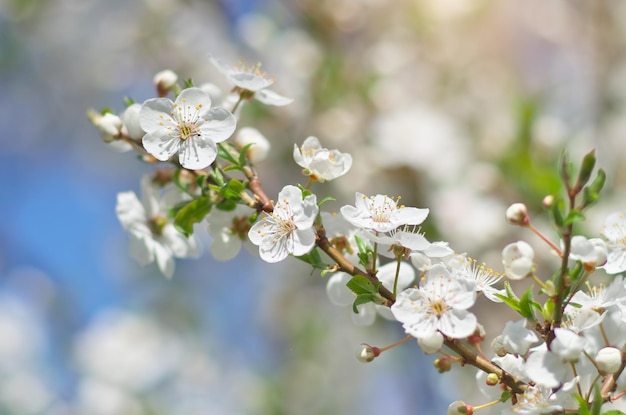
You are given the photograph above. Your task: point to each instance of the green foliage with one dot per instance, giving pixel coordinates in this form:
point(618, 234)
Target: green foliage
point(314, 259)
point(365, 291)
point(525, 306)
point(190, 213)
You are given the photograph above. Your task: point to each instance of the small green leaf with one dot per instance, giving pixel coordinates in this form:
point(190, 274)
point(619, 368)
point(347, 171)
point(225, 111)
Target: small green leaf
point(596, 405)
point(583, 408)
point(232, 190)
point(191, 213)
point(506, 395)
point(326, 199)
point(128, 101)
point(574, 216)
point(364, 299)
point(361, 285)
point(613, 412)
point(510, 298)
point(586, 168)
point(527, 305)
point(224, 154)
point(314, 259)
point(242, 154)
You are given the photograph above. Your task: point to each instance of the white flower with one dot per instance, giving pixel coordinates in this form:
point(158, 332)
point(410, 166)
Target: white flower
point(591, 252)
point(516, 338)
point(381, 213)
point(440, 303)
point(431, 344)
point(289, 229)
point(483, 277)
point(252, 80)
point(615, 235)
point(320, 163)
point(567, 344)
point(188, 126)
point(517, 258)
point(535, 400)
point(260, 147)
point(110, 127)
point(544, 367)
point(152, 235)
point(228, 230)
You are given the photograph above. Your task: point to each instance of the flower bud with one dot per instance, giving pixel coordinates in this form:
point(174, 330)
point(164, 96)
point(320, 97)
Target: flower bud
point(460, 407)
point(260, 146)
point(431, 344)
point(164, 82)
point(497, 345)
point(443, 364)
point(547, 201)
point(130, 118)
point(517, 259)
point(492, 379)
point(517, 214)
point(367, 353)
point(478, 336)
point(609, 359)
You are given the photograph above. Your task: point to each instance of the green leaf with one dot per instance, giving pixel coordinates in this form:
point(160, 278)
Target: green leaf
point(242, 154)
point(591, 193)
point(361, 285)
point(128, 101)
point(527, 305)
point(364, 299)
point(314, 259)
point(224, 154)
point(586, 168)
point(574, 216)
point(191, 213)
point(596, 405)
point(510, 298)
point(232, 190)
point(613, 412)
point(583, 408)
point(326, 199)
point(506, 395)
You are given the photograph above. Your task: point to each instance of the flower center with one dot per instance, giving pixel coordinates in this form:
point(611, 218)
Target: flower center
point(156, 225)
point(438, 308)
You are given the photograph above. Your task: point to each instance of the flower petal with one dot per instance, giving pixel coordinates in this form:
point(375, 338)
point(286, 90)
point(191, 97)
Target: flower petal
point(197, 153)
point(219, 124)
point(160, 144)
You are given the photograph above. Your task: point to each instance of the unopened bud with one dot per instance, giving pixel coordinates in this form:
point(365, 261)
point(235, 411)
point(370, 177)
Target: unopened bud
point(460, 407)
point(497, 345)
point(164, 82)
point(478, 336)
point(517, 214)
point(443, 364)
point(431, 344)
point(367, 353)
point(547, 201)
point(492, 379)
point(609, 359)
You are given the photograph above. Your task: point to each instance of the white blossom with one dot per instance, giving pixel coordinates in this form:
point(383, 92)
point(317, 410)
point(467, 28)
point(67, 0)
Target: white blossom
point(516, 338)
point(152, 236)
point(609, 359)
point(188, 126)
point(614, 233)
point(591, 252)
point(440, 303)
point(228, 230)
point(321, 163)
point(252, 79)
point(259, 148)
point(381, 213)
point(288, 229)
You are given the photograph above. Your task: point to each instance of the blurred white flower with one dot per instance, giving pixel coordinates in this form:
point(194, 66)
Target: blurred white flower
point(614, 233)
point(260, 147)
point(130, 120)
point(252, 80)
point(228, 230)
point(110, 126)
point(516, 338)
point(188, 126)
point(591, 252)
point(152, 235)
point(321, 163)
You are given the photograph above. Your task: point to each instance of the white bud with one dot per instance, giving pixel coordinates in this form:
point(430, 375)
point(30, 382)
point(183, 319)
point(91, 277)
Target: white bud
point(431, 344)
point(130, 118)
point(457, 407)
point(517, 214)
point(367, 353)
point(609, 359)
point(260, 147)
point(108, 124)
point(497, 345)
point(165, 81)
point(517, 259)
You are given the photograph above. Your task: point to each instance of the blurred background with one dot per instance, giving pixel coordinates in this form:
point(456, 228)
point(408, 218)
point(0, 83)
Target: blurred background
point(462, 107)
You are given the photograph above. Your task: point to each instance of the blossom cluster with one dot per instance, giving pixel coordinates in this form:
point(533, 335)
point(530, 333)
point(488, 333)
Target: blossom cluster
point(564, 352)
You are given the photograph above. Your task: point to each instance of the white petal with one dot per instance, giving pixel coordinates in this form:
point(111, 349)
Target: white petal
point(129, 209)
point(164, 259)
point(337, 291)
point(268, 97)
point(303, 241)
point(195, 98)
point(161, 144)
point(225, 246)
point(141, 249)
point(197, 153)
point(219, 124)
point(155, 114)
